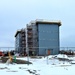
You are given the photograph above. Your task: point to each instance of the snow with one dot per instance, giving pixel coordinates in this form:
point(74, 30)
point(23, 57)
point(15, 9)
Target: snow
point(73, 62)
point(62, 56)
point(44, 66)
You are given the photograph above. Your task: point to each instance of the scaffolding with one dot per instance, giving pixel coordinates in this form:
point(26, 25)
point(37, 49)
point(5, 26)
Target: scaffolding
point(32, 38)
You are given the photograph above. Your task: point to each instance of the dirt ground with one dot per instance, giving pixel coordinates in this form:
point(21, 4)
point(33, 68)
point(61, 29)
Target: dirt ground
point(18, 61)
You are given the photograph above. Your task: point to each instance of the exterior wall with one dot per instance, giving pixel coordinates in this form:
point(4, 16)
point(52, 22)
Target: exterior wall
point(17, 42)
point(35, 40)
point(20, 42)
point(32, 39)
point(42, 38)
point(48, 37)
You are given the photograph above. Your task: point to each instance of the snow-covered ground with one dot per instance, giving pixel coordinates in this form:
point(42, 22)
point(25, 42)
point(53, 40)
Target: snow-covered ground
point(44, 66)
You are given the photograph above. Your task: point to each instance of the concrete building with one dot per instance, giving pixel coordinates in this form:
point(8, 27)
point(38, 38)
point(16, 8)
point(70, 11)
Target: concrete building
point(43, 37)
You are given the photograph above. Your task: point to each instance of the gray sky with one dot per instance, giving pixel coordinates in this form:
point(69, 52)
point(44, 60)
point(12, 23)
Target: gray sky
point(15, 14)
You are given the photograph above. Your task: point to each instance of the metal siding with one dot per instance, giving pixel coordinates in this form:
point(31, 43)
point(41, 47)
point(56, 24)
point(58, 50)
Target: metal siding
point(48, 38)
point(18, 42)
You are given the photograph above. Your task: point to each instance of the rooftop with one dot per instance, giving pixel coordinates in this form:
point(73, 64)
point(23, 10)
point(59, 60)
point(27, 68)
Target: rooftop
point(19, 31)
point(42, 21)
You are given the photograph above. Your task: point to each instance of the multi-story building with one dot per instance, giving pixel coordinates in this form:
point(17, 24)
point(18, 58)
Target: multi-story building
point(43, 37)
point(20, 41)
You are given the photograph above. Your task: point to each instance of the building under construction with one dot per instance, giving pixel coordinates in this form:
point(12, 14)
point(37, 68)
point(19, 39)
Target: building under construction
point(20, 42)
point(42, 37)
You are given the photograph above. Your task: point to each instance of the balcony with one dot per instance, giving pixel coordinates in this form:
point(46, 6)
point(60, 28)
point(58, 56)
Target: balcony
point(29, 32)
point(23, 35)
point(23, 42)
point(29, 27)
point(30, 36)
point(23, 39)
point(30, 41)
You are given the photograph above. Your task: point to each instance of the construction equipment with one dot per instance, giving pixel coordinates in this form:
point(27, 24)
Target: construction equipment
point(10, 57)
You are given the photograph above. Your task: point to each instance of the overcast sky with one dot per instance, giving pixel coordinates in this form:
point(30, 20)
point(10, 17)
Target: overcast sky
point(15, 14)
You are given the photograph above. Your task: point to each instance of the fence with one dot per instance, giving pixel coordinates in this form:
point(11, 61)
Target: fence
point(67, 48)
point(37, 50)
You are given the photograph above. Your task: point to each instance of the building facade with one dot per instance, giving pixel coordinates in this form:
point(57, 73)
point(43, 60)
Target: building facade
point(20, 41)
point(43, 37)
